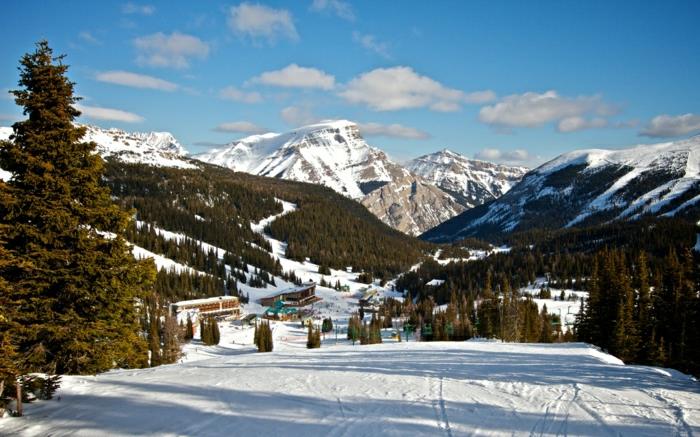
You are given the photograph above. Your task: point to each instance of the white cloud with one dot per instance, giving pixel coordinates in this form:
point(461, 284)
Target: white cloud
point(672, 125)
point(245, 127)
point(392, 130)
point(89, 38)
point(258, 22)
point(294, 76)
point(573, 124)
point(132, 8)
point(478, 97)
point(391, 89)
point(173, 51)
point(236, 95)
point(371, 43)
point(513, 156)
point(533, 110)
point(110, 114)
point(296, 116)
point(337, 7)
point(135, 80)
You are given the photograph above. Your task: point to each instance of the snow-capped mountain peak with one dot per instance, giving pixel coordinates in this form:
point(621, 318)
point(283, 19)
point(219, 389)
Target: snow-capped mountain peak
point(591, 186)
point(471, 181)
point(159, 149)
point(152, 148)
point(331, 153)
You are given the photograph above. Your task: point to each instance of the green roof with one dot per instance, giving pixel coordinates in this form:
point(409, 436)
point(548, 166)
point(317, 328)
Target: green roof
point(278, 309)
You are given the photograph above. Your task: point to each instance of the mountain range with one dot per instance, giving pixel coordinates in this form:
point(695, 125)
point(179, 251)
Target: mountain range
point(334, 154)
point(589, 187)
point(472, 182)
point(445, 195)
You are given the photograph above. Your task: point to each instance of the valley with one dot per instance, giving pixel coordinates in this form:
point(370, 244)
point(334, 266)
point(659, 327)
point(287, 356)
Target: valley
point(302, 281)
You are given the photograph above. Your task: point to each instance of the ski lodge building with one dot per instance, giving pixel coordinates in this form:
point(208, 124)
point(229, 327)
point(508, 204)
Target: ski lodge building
point(294, 297)
point(286, 304)
point(211, 306)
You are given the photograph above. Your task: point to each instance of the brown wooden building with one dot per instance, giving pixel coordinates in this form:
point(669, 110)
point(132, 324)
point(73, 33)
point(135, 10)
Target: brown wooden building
point(293, 297)
point(211, 306)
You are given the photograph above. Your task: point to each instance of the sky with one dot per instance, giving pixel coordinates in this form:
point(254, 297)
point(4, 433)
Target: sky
point(514, 82)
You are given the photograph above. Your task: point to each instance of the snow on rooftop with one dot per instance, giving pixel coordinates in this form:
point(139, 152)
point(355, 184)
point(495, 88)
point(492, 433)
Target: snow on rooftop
point(205, 300)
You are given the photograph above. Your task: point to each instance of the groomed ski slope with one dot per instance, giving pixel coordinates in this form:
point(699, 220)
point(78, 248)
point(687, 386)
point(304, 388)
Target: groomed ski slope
point(399, 389)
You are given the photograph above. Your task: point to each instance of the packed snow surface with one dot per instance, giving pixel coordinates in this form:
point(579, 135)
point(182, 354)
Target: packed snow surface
point(397, 389)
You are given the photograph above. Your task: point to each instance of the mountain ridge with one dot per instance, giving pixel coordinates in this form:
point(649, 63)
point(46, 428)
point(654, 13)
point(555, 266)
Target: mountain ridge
point(471, 181)
point(590, 186)
point(333, 153)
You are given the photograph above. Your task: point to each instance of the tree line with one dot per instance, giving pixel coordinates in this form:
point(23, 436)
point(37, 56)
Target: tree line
point(644, 315)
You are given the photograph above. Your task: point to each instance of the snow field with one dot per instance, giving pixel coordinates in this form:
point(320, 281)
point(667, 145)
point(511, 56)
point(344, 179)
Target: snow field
point(468, 388)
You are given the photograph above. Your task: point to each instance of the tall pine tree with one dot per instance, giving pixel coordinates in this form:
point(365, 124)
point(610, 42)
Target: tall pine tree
point(71, 274)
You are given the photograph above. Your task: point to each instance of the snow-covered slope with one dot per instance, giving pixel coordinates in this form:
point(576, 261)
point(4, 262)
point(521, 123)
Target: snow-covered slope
point(588, 187)
point(334, 154)
point(471, 181)
point(391, 389)
point(159, 149)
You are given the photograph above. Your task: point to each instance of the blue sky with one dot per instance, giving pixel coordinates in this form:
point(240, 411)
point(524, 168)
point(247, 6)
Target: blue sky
point(515, 82)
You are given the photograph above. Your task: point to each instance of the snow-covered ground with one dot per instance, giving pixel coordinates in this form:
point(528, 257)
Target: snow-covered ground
point(467, 388)
point(407, 388)
point(334, 304)
point(567, 309)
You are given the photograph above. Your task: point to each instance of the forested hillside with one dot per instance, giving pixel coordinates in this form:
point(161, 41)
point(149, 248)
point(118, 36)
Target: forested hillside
point(642, 280)
point(216, 206)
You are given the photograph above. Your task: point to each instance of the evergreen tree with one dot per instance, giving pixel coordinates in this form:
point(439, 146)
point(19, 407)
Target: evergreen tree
point(10, 366)
point(189, 329)
point(546, 333)
point(215, 332)
point(354, 328)
point(263, 337)
point(171, 340)
point(327, 325)
point(153, 333)
point(210, 331)
point(643, 311)
point(154, 344)
point(75, 287)
point(313, 339)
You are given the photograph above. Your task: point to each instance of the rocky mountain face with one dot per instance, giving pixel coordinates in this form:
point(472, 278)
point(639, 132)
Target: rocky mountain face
point(471, 182)
point(411, 204)
point(335, 155)
point(588, 187)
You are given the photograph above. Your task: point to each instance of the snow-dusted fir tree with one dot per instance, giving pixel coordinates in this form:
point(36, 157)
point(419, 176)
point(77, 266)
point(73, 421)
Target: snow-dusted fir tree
point(73, 286)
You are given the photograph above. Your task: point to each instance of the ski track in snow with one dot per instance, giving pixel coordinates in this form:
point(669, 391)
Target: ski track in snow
point(393, 389)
